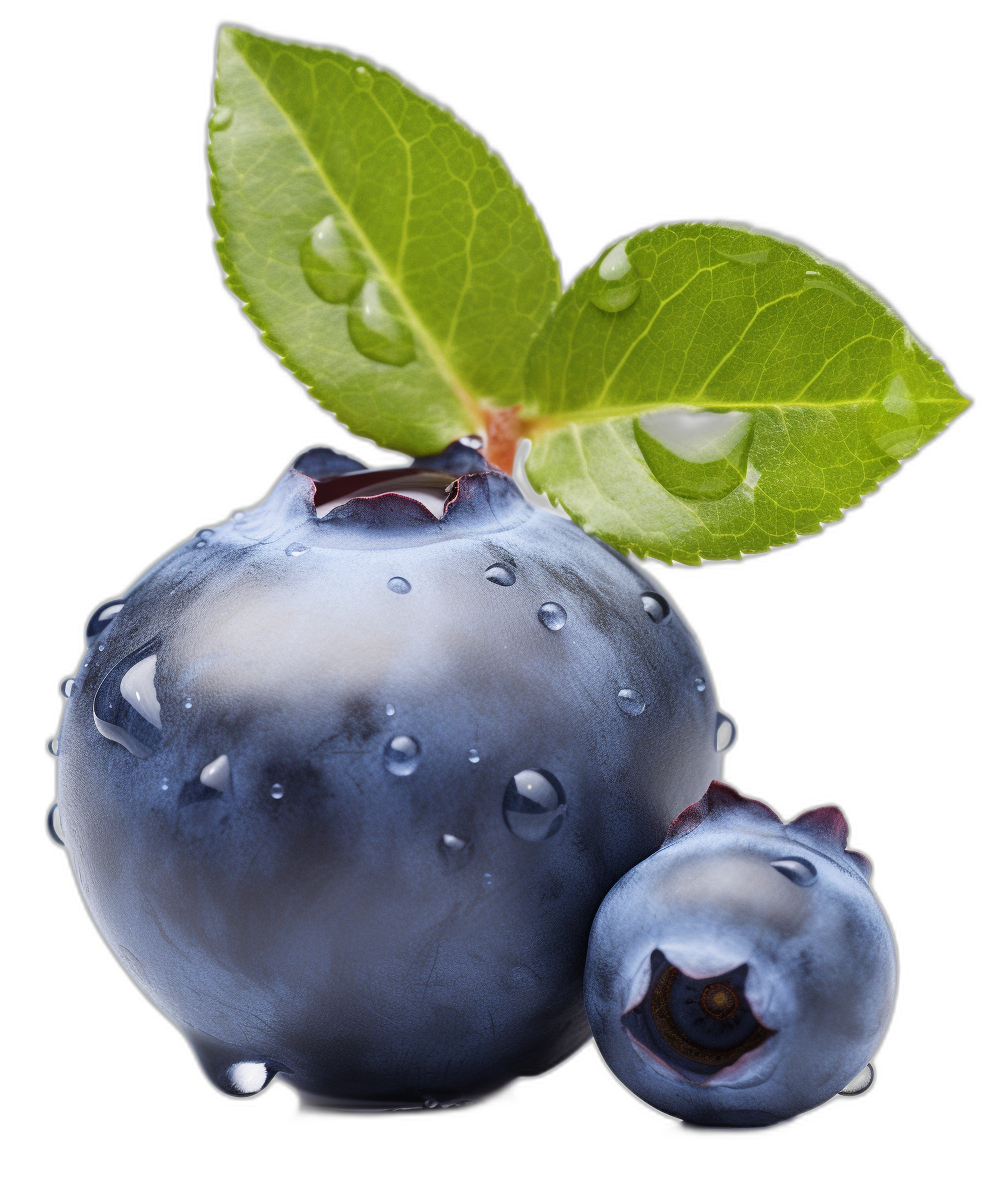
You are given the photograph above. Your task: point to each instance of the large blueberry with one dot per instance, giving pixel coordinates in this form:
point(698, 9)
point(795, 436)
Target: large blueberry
point(344, 792)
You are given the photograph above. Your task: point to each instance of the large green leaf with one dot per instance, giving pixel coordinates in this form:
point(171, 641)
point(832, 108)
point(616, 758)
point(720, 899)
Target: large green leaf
point(385, 253)
point(809, 391)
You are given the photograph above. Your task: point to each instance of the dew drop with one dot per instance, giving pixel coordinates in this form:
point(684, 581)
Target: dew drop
point(499, 574)
point(200, 543)
point(53, 825)
point(217, 774)
point(473, 756)
point(402, 755)
point(52, 746)
point(655, 606)
point(896, 427)
point(164, 785)
point(67, 687)
point(296, 549)
point(188, 704)
point(614, 284)
point(248, 1077)
point(700, 684)
point(101, 618)
point(699, 455)
point(453, 842)
point(798, 871)
point(630, 702)
point(390, 709)
point(474, 442)
point(859, 1084)
point(277, 792)
point(205, 533)
point(126, 707)
point(238, 515)
point(101, 649)
point(377, 329)
point(399, 585)
point(487, 880)
point(220, 118)
point(331, 268)
point(724, 732)
point(454, 851)
point(553, 616)
point(430, 1104)
point(534, 805)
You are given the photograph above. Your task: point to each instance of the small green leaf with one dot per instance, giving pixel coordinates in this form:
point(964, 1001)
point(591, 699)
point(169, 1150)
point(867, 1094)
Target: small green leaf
point(746, 393)
point(386, 255)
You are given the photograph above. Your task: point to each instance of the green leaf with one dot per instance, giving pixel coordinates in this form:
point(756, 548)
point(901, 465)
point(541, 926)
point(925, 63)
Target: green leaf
point(386, 254)
point(745, 393)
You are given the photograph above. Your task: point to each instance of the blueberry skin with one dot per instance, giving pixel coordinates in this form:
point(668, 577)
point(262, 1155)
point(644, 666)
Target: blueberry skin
point(787, 909)
point(297, 907)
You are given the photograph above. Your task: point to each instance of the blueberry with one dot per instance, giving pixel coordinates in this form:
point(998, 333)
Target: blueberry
point(345, 809)
point(745, 972)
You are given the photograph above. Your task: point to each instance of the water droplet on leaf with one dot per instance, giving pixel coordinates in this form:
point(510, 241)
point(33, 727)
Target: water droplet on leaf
point(553, 616)
point(399, 585)
point(377, 328)
point(630, 702)
point(499, 574)
point(221, 118)
point(895, 425)
point(534, 805)
point(700, 455)
point(402, 755)
point(331, 268)
point(614, 285)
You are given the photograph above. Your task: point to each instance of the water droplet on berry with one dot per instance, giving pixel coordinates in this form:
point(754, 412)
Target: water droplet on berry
point(798, 871)
point(399, 585)
point(553, 616)
point(700, 684)
point(53, 825)
point(724, 732)
point(217, 774)
point(200, 543)
point(453, 842)
point(655, 606)
point(473, 756)
point(630, 702)
point(137, 687)
point(238, 515)
point(67, 687)
point(377, 328)
point(248, 1077)
point(475, 442)
point(101, 618)
point(331, 268)
point(534, 805)
point(430, 1104)
point(614, 285)
point(276, 793)
point(498, 574)
point(402, 755)
point(188, 704)
point(52, 746)
point(296, 549)
point(390, 709)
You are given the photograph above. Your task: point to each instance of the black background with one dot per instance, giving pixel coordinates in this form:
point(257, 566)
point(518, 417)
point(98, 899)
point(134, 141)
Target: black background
point(846, 660)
